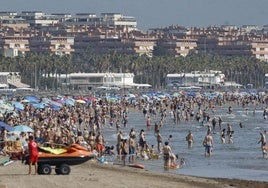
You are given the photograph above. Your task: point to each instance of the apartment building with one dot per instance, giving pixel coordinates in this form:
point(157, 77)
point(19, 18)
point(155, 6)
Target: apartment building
point(176, 46)
point(115, 20)
point(105, 39)
point(38, 18)
point(62, 33)
point(14, 43)
point(259, 48)
point(52, 44)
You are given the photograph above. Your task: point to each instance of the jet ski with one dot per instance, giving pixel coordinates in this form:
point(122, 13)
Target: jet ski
point(61, 157)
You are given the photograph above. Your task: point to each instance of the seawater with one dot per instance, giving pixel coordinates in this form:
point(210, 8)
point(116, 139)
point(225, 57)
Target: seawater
point(240, 160)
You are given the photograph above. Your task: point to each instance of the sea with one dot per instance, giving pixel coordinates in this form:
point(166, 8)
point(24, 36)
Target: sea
point(241, 160)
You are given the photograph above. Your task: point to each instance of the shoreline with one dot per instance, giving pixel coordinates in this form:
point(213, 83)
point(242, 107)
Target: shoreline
point(95, 174)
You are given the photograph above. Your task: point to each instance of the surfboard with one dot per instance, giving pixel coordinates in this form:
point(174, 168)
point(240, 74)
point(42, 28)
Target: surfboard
point(136, 165)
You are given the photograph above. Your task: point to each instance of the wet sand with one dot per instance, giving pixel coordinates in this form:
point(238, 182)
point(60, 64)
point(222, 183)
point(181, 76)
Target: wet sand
point(94, 174)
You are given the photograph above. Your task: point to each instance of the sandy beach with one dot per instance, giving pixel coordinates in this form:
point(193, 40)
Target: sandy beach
point(94, 174)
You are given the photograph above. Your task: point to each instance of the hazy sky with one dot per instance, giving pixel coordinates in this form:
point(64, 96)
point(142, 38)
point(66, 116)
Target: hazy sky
point(157, 13)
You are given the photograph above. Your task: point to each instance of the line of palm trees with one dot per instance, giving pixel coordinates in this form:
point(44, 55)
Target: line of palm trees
point(37, 69)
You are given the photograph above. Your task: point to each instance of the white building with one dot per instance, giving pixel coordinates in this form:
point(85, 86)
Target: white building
point(94, 80)
point(209, 78)
point(11, 80)
point(105, 19)
point(38, 18)
point(11, 52)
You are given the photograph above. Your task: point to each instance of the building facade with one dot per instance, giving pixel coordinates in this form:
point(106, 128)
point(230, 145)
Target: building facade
point(208, 79)
point(11, 80)
point(87, 81)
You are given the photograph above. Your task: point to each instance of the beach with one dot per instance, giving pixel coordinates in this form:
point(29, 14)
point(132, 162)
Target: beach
point(94, 174)
point(231, 164)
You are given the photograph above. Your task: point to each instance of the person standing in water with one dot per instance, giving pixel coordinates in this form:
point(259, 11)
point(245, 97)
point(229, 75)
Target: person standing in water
point(190, 139)
point(159, 141)
point(223, 136)
point(220, 122)
point(208, 144)
point(166, 155)
point(230, 133)
point(124, 148)
point(263, 144)
point(148, 123)
point(132, 148)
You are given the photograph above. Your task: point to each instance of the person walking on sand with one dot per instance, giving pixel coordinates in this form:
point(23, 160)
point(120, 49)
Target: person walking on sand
point(33, 154)
point(208, 144)
point(190, 139)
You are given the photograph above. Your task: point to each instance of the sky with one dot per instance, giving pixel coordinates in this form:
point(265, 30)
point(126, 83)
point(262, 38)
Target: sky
point(157, 13)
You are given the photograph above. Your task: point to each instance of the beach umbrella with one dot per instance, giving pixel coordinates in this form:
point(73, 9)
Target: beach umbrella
point(176, 94)
point(7, 106)
point(24, 101)
point(18, 105)
point(5, 126)
point(39, 105)
point(80, 101)
point(69, 102)
point(55, 107)
point(32, 99)
point(22, 128)
point(51, 102)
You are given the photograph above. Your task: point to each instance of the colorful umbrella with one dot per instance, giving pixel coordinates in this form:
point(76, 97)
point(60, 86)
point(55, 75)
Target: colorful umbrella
point(80, 101)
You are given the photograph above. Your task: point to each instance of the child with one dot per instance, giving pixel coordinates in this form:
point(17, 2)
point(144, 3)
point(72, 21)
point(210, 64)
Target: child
point(182, 163)
point(174, 160)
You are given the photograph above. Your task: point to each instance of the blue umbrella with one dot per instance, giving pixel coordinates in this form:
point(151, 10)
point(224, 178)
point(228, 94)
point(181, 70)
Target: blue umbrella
point(32, 99)
point(39, 105)
point(69, 102)
point(18, 105)
point(5, 126)
point(22, 128)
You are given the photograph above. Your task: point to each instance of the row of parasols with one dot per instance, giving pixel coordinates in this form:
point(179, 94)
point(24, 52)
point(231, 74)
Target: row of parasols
point(15, 129)
point(7, 106)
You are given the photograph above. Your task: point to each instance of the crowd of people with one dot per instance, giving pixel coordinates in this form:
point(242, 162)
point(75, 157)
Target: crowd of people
point(84, 124)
